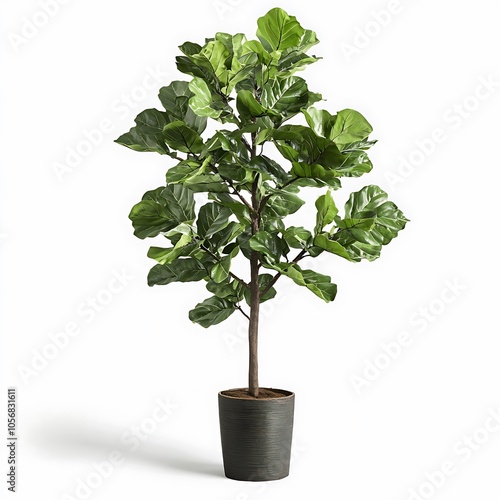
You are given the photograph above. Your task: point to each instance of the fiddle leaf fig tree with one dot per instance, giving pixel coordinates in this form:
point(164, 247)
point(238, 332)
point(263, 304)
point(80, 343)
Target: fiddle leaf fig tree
point(250, 87)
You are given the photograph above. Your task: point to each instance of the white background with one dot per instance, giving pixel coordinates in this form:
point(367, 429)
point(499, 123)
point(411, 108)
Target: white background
point(64, 237)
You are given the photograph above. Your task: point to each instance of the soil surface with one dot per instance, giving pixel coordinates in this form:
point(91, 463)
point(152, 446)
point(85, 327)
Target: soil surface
point(263, 393)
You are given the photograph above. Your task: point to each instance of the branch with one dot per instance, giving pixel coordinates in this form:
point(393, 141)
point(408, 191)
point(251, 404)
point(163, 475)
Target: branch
point(218, 259)
point(243, 312)
point(299, 257)
point(229, 182)
point(245, 142)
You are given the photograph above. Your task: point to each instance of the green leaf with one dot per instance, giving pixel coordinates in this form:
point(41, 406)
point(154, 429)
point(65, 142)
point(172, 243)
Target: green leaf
point(213, 56)
point(232, 291)
point(297, 237)
point(175, 98)
point(301, 144)
point(325, 243)
point(139, 141)
point(150, 218)
point(182, 248)
point(220, 272)
point(268, 167)
point(183, 270)
point(211, 219)
point(203, 99)
point(248, 106)
point(283, 203)
point(326, 211)
point(224, 236)
point(279, 31)
point(179, 136)
point(267, 244)
point(147, 135)
point(206, 183)
point(319, 284)
point(186, 169)
point(317, 172)
point(286, 96)
point(241, 212)
point(293, 60)
point(350, 126)
point(320, 120)
point(371, 221)
point(180, 204)
point(212, 311)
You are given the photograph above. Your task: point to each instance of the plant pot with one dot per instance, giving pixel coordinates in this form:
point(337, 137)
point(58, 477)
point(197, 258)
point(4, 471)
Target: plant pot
point(256, 435)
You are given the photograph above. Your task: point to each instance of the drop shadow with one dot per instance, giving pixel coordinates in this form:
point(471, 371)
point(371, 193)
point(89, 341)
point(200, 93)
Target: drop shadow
point(74, 438)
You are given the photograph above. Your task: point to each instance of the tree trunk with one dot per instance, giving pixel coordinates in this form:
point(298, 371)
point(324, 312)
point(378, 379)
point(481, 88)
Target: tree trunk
point(253, 328)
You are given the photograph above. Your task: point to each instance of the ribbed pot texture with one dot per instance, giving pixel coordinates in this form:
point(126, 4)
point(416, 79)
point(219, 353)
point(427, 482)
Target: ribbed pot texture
point(256, 436)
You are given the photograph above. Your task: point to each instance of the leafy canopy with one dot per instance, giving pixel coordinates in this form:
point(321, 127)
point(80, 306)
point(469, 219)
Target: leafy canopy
point(252, 89)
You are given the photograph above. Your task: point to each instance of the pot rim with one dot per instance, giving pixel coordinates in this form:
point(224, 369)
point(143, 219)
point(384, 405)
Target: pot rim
point(286, 394)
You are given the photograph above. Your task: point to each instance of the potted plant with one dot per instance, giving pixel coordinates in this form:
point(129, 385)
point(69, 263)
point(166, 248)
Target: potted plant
point(250, 87)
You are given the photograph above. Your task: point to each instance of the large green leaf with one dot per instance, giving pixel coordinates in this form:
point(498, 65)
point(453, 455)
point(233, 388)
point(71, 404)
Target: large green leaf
point(267, 244)
point(319, 284)
point(175, 99)
point(212, 311)
point(301, 144)
point(179, 136)
point(249, 108)
point(206, 183)
point(324, 242)
point(320, 120)
point(279, 31)
point(220, 272)
point(183, 270)
point(350, 126)
point(147, 135)
point(297, 237)
point(370, 222)
point(283, 203)
point(211, 219)
point(203, 99)
point(287, 96)
point(184, 245)
point(326, 211)
point(316, 172)
point(139, 141)
point(184, 170)
point(180, 204)
point(150, 218)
